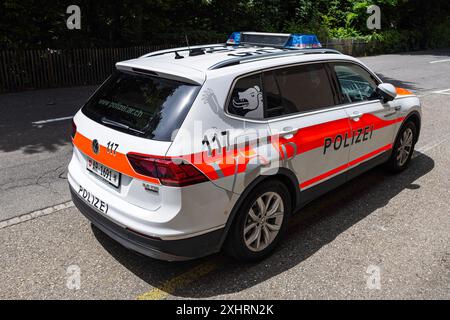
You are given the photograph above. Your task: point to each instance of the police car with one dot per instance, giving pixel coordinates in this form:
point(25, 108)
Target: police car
point(184, 152)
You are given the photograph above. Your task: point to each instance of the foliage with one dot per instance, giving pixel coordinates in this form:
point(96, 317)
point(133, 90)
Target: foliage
point(406, 24)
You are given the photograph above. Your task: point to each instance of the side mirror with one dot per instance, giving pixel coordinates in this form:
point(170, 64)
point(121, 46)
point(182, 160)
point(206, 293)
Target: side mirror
point(387, 92)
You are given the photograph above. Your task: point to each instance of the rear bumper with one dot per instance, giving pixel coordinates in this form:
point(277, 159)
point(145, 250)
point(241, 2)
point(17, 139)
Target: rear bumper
point(169, 250)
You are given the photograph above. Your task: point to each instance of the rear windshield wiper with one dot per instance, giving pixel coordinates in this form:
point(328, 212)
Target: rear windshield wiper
point(119, 125)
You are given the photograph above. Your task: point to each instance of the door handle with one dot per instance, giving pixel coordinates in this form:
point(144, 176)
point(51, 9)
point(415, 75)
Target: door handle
point(356, 116)
point(288, 132)
point(394, 110)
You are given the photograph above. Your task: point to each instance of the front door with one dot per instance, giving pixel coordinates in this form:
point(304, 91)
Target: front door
point(373, 123)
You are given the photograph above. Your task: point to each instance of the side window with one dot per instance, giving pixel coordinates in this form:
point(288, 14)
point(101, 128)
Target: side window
point(304, 88)
point(355, 82)
point(247, 98)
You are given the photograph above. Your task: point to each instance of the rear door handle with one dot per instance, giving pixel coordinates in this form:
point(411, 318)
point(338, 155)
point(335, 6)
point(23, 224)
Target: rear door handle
point(356, 116)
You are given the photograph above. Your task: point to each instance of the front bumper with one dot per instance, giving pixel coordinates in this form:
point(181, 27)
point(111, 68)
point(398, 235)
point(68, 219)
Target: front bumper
point(169, 250)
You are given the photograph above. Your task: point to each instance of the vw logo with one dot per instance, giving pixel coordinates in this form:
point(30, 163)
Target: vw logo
point(95, 146)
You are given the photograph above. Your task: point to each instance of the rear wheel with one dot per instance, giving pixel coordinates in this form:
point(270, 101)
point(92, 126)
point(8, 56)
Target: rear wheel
point(260, 222)
point(403, 148)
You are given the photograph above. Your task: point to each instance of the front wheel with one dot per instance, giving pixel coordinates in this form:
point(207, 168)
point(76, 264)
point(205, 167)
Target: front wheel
point(260, 222)
point(403, 148)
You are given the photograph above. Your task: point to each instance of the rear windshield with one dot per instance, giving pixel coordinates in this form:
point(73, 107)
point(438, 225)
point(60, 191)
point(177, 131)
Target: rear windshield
point(142, 105)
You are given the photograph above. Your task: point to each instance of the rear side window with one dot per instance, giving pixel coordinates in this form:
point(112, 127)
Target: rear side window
point(247, 98)
point(356, 83)
point(142, 105)
point(304, 88)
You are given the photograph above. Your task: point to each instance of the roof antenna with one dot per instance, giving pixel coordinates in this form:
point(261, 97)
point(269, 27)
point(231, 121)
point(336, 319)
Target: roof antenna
point(187, 42)
point(195, 51)
point(178, 56)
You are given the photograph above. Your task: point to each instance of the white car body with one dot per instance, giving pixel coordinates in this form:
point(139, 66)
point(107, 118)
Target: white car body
point(179, 223)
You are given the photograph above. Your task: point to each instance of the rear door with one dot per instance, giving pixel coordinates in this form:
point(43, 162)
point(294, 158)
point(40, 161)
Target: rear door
point(372, 122)
point(312, 131)
point(230, 146)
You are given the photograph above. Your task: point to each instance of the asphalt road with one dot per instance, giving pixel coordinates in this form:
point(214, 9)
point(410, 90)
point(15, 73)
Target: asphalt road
point(395, 226)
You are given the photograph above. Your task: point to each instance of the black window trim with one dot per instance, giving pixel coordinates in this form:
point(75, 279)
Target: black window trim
point(265, 94)
point(338, 106)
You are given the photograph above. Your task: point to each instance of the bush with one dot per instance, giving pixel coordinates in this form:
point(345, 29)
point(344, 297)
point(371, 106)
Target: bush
point(344, 33)
point(439, 36)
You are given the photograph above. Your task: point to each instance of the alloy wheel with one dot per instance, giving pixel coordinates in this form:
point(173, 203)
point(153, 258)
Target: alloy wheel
point(263, 221)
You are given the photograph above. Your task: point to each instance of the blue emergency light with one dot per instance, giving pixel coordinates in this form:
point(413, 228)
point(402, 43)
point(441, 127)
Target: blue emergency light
point(234, 39)
point(284, 40)
point(303, 41)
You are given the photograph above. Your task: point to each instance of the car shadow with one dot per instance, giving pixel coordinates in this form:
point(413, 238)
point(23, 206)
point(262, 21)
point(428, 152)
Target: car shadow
point(400, 83)
point(315, 226)
point(21, 110)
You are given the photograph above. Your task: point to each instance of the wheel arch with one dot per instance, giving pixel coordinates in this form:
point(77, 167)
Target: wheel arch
point(286, 176)
point(415, 117)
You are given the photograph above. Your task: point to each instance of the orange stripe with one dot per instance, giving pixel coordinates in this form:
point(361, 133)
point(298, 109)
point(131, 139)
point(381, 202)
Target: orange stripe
point(403, 92)
point(344, 167)
point(306, 139)
point(119, 162)
point(313, 137)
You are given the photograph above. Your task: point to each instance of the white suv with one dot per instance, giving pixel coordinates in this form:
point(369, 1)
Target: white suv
point(183, 152)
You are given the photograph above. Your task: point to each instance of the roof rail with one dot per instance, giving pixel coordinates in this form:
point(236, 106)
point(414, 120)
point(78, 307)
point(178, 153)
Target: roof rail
point(263, 56)
point(176, 50)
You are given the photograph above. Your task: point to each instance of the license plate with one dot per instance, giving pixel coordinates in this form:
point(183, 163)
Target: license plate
point(93, 201)
point(109, 175)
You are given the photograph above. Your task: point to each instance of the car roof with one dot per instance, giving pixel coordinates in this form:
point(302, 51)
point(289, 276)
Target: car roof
point(195, 64)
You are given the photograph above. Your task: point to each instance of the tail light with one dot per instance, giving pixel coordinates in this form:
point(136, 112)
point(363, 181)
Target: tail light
point(167, 171)
point(74, 129)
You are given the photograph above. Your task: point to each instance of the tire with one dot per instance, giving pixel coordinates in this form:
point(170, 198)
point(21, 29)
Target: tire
point(396, 162)
point(245, 227)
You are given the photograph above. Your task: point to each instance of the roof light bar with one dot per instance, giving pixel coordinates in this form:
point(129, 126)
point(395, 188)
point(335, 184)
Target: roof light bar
point(282, 40)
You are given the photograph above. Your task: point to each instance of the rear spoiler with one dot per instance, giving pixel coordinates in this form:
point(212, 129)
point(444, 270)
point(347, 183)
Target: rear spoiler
point(163, 70)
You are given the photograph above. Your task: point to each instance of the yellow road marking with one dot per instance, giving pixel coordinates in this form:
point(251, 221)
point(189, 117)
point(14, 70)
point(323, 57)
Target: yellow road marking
point(184, 279)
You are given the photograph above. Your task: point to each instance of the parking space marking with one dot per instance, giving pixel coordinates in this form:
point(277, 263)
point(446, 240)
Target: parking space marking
point(170, 286)
point(430, 146)
point(40, 122)
point(445, 91)
point(35, 214)
point(440, 61)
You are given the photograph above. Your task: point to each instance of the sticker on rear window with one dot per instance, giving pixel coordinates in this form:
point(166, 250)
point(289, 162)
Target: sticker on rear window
point(250, 102)
point(121, 107)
